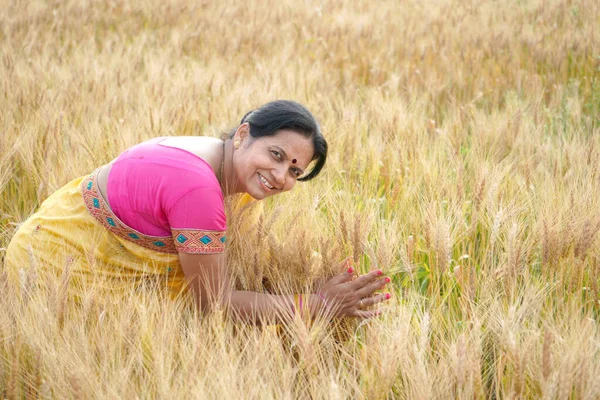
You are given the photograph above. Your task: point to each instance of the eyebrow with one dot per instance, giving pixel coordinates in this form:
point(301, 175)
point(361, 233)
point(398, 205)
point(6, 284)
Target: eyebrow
point(287, 158)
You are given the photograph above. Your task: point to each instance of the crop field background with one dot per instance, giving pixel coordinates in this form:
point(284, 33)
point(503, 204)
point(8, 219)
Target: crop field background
point(464, 162)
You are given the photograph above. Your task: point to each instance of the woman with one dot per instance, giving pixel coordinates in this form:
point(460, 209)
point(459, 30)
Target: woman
point(155, 215)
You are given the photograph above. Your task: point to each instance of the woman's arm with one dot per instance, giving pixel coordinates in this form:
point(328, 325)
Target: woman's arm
point(340, 296)
point(268, 308)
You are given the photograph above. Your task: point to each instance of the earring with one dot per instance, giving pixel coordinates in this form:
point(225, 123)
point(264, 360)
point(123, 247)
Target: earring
point(236, 144)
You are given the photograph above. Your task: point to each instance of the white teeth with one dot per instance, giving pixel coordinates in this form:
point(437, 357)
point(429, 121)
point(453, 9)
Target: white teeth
point(262, 178)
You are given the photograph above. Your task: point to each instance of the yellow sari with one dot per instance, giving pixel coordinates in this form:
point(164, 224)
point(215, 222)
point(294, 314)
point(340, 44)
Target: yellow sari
point(63, 237)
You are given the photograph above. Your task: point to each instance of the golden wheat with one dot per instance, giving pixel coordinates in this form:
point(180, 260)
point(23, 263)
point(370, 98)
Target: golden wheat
point(465, 139)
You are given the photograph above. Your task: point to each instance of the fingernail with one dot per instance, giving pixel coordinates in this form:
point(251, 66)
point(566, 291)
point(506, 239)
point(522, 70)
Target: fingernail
point(387, 280)
point(387, 296)
point(350, 270)
point(379, 272)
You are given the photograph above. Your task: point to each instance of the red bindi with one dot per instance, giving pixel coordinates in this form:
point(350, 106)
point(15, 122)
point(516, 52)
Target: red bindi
point(294, 161)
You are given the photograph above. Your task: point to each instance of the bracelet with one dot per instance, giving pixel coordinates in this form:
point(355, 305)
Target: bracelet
point(294, 304)
point(297, 303)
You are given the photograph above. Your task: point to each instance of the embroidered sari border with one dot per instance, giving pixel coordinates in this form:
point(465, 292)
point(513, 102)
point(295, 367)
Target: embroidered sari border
point(199, 241)
point(194, 241)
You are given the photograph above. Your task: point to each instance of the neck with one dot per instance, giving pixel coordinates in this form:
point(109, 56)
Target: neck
point(228, 181)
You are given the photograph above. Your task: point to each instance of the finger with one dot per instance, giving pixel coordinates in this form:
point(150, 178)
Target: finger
point(365, 279)
point(371, 301)
point(340, 269)
point(370, 288)
point(366, 314)
point(345, 264)
point(344, 276)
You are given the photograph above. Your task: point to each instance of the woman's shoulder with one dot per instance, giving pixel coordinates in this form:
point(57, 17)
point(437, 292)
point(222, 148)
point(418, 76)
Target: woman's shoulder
point(208, 149)
point(176, 158)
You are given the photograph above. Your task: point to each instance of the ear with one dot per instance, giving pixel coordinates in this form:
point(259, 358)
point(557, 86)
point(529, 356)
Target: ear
point(242, 132)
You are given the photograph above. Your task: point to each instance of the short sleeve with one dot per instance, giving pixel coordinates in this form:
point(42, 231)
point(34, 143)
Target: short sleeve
point(198, 223)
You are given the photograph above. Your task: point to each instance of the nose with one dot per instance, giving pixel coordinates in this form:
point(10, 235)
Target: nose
point(279, 175)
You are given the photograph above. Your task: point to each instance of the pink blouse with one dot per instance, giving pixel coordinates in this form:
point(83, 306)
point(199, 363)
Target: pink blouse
point(163, 191)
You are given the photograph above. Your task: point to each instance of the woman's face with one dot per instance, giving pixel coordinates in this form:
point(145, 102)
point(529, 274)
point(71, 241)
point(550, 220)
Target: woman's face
point(270, 165)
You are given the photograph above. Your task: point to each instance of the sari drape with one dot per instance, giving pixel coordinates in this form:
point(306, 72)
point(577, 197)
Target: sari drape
point(64, 234)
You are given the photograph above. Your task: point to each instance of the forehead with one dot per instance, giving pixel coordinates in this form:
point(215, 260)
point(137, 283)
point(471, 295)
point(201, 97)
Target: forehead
point(294, 144)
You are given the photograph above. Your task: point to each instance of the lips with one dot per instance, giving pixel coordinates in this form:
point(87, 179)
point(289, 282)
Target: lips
point(265, 182)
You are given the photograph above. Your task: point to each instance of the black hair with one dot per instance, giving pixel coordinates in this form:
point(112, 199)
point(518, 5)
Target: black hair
point(278, 115)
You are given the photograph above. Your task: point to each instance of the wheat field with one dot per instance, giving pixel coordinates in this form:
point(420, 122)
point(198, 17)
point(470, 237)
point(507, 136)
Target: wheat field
point(464, 162)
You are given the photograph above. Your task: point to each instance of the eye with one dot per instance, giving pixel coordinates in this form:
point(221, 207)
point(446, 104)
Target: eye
point(276, 154)
point(296, 172)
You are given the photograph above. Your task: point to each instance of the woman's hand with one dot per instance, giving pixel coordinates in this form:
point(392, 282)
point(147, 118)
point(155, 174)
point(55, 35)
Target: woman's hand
point(345, 297)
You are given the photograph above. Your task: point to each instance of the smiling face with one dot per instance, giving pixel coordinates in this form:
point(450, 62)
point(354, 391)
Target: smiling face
point(270, 165)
